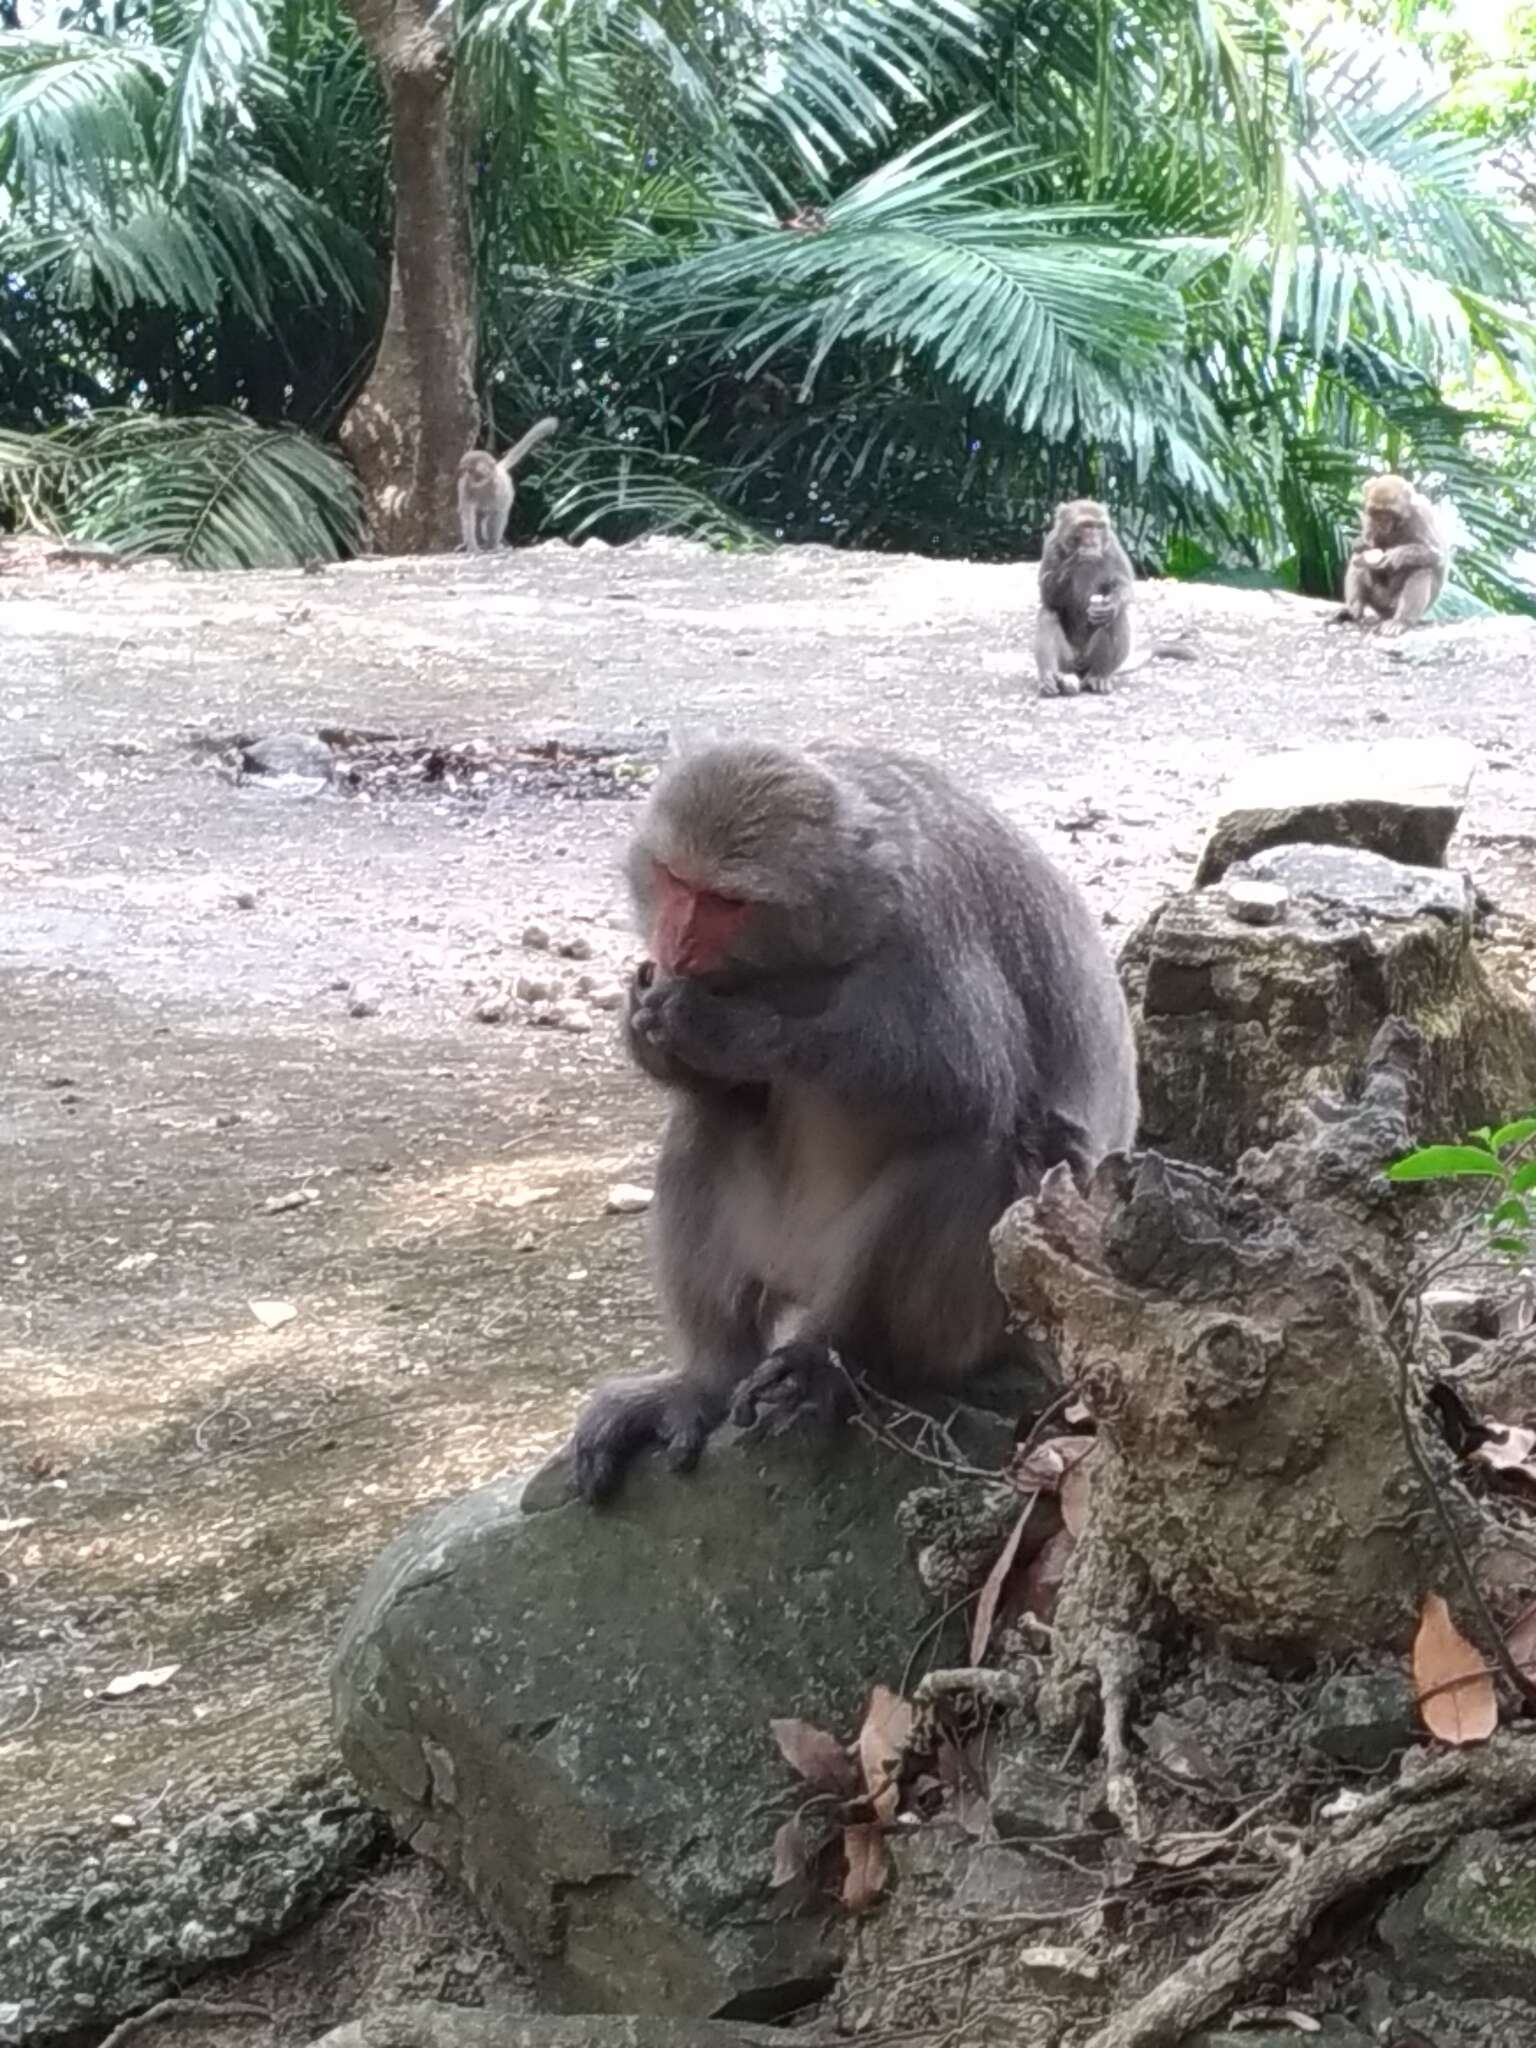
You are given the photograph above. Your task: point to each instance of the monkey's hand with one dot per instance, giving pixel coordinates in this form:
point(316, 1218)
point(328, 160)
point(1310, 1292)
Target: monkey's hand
point(1371, 557)
point(644, 1049)
point(801, 1382)
point(629, 1416)
point(730, 1038)
point(1102, 606)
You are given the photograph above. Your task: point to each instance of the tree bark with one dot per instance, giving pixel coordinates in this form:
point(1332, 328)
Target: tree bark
point(417, 413)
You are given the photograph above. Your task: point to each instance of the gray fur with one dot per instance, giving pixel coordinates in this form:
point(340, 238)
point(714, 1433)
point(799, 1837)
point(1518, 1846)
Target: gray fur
point(1083, 633)
point(919, 1018)
point(486, 490)
point(1398, 565)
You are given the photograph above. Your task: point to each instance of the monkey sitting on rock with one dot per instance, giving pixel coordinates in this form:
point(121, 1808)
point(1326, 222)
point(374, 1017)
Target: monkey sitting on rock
point(881, 1015)
point(1398, 565)
point(485, 489)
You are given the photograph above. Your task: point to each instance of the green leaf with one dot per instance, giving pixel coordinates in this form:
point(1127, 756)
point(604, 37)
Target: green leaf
point(1523, 1179)
point(1514, 1212)
point(1513, 1134)
point(1445, 1162)
point(1515, 1247)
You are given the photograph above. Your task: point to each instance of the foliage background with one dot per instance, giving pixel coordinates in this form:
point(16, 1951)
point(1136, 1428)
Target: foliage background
point(1214, 262)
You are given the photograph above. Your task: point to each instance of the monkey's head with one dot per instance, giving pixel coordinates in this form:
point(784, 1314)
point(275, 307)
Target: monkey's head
point(1388, 503)
point(1082, 524)
point(752, 857)
point(477, 467)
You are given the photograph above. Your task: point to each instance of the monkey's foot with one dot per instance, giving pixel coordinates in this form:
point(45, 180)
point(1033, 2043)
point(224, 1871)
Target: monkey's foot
point(1063, 685)
point(1098, 686)
point(633, 1415)
point(799, 1383)
point(1391, 629)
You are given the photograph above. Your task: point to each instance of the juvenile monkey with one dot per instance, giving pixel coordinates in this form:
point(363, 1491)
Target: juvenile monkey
point(1397, 566)
point(485, 489)
point(1083, 634)
point(881, 1014)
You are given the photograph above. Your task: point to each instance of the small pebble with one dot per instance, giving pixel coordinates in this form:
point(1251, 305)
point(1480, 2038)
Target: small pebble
point(493, 1010)
point(246, 900)
point(529, 989)
point(536, 938)
point(1257, 902)
point(627, 1200)
point(571, 1017)
point(609, 998)
point(577, 948)
point(363, 1006)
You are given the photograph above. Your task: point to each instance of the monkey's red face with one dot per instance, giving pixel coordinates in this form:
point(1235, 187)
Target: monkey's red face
point(694, 927)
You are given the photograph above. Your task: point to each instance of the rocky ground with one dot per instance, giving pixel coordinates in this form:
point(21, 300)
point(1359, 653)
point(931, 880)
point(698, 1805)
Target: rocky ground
point(243, 1061)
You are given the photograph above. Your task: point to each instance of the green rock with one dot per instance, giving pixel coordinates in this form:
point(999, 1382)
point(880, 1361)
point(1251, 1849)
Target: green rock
point(1470, 1922)
point(569, 1708)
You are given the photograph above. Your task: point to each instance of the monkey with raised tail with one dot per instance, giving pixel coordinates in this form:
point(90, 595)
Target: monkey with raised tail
point(485, 489)
point(881, 1014)
point(1398, 565)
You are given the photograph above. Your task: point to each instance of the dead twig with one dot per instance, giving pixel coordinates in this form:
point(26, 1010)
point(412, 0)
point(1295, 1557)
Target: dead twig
point(180, 2009)
point(1395, 1831)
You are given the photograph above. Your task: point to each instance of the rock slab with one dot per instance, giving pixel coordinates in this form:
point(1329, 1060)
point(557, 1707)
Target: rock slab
point(1238, 1025)
point(569, 1708)
point(1400, 798)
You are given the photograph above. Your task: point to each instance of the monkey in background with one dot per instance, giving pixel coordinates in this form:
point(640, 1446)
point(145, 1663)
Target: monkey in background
point(881, 1014)
point(485, 489)
point(1397, 567)
point(1083, 634)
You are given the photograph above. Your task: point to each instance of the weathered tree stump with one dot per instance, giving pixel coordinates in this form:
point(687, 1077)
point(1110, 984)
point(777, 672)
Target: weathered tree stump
point(1230, 1337)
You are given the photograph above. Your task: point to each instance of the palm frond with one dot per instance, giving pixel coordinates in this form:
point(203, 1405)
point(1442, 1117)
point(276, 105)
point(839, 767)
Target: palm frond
point(76, 107)
point(225, 40)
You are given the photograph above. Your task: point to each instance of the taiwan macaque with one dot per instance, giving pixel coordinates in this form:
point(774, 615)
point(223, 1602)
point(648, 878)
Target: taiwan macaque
point(881, 1014)
point(1397, 566)
point(485, 489)
point(1083, 634)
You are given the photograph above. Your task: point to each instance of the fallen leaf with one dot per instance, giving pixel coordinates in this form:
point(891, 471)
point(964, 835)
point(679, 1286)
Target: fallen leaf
point(273, 1314)
point(520, 1198)
point(997, 1578)
point(789, 1854)
point(867, 1867)
point(819, 1758)
point(1048, 1464)
point(139, 1681)
point(1521, 1638)
point(1455, 1691)
point(1177, 1749)
point(1076, 1496)
point(882, 1745)
point(1044, 1574)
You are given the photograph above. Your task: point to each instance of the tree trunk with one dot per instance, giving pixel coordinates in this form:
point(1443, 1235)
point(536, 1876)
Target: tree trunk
point(417, 413)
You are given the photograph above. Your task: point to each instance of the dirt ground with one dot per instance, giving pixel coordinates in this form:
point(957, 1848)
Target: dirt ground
point(193, 1118)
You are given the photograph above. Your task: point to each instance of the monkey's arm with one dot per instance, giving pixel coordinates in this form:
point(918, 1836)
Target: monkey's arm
point(1411, 555)
point(885, 1036)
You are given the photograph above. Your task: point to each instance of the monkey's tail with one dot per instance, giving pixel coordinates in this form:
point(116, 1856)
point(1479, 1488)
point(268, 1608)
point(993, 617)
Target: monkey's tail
point(539, 431)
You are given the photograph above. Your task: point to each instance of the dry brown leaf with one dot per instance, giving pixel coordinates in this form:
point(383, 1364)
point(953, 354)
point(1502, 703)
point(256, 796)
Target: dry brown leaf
point(882, 1744)
point(1048, 1464)
point(1455, 1690)
point(1521, 1638)
point(1076, 1496)
point(1044, 1574)
point(790, 1854)
point(818, 1757)
point(997, 1578)
point(867, 1867)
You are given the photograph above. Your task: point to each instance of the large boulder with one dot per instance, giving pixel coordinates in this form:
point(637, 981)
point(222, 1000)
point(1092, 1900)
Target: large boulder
point(1238, 1023)
point(1400, 798)
point(569, 1708)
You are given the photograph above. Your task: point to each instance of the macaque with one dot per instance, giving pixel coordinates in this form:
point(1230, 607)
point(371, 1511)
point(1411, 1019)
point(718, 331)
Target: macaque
point(1083, 634)
point(1397, 566)
point(881, 1014)
point(485, 489)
